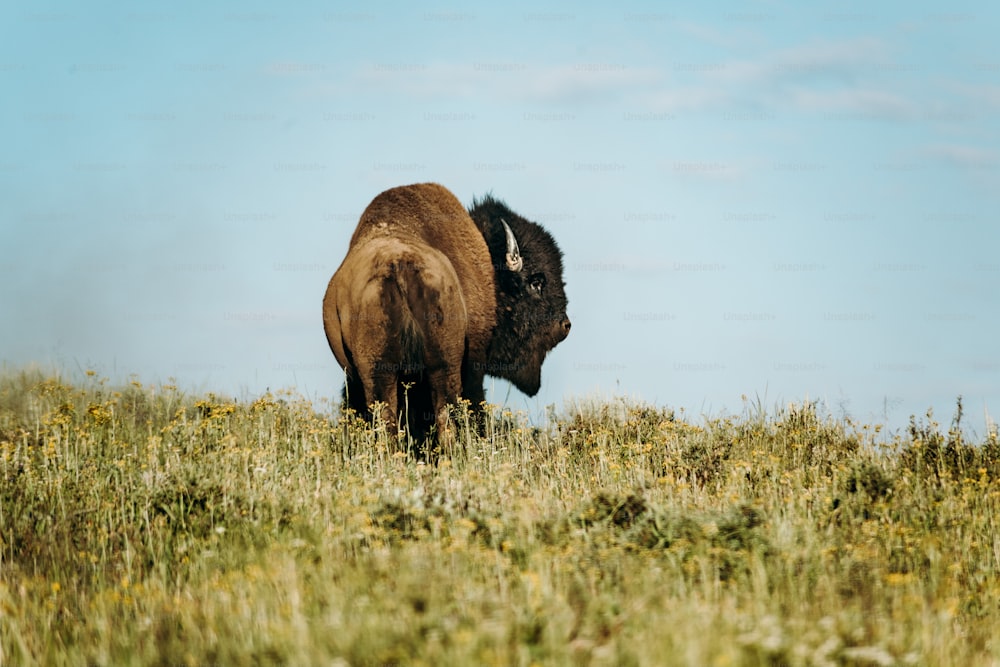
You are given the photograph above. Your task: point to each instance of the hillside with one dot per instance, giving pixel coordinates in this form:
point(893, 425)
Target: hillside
point(140, 525)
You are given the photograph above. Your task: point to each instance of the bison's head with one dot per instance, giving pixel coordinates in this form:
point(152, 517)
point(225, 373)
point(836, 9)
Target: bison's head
point(531, 296)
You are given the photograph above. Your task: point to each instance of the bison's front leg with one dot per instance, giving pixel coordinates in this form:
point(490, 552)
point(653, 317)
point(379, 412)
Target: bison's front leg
point(472, 384)
point(473, 374)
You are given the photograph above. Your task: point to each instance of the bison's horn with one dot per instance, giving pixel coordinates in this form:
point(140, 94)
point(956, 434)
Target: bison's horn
point(514, 261)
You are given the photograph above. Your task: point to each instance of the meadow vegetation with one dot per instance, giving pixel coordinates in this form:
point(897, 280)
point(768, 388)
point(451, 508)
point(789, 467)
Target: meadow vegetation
point(143, 526)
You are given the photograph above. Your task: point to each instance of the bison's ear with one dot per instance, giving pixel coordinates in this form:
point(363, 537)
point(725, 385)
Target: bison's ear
point(514, 261)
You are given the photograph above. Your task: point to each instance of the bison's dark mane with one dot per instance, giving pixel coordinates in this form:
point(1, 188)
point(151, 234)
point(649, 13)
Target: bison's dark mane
point(525, 323)
point(487, 213)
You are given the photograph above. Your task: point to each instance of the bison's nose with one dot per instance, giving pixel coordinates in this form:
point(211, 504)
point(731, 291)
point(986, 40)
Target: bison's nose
point(566, 324)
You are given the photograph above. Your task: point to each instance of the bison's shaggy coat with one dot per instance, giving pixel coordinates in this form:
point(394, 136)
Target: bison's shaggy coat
point(427, 301)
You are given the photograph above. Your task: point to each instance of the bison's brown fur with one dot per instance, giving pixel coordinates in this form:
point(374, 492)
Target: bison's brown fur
point(413, 301)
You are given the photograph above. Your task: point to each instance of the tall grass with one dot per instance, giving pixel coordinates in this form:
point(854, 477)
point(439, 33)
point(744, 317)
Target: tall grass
point(143, 526)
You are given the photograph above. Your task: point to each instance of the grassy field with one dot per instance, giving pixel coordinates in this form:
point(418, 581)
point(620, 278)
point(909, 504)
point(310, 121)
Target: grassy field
point(142, 526)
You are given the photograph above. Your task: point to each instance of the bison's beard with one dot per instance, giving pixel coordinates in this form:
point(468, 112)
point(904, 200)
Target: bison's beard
point(519, 359)
point(529, 377)
point(523, 370)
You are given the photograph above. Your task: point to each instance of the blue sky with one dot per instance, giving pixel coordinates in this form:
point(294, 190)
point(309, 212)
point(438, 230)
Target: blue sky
point(766, 199)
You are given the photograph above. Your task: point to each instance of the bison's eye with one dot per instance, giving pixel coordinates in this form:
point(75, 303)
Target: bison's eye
point(536, 283)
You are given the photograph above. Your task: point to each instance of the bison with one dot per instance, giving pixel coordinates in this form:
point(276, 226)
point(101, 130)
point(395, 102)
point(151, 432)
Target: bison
point(431, 298)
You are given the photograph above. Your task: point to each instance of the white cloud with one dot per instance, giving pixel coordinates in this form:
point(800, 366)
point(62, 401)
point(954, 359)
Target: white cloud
point(417, 79)
point(831, 77)
point(839, 77)
point(860, 102)
point(687, 98)
point(986, 95)
point(840, 61)
point(572, 83)
point(966, 157)
point(844, 61)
